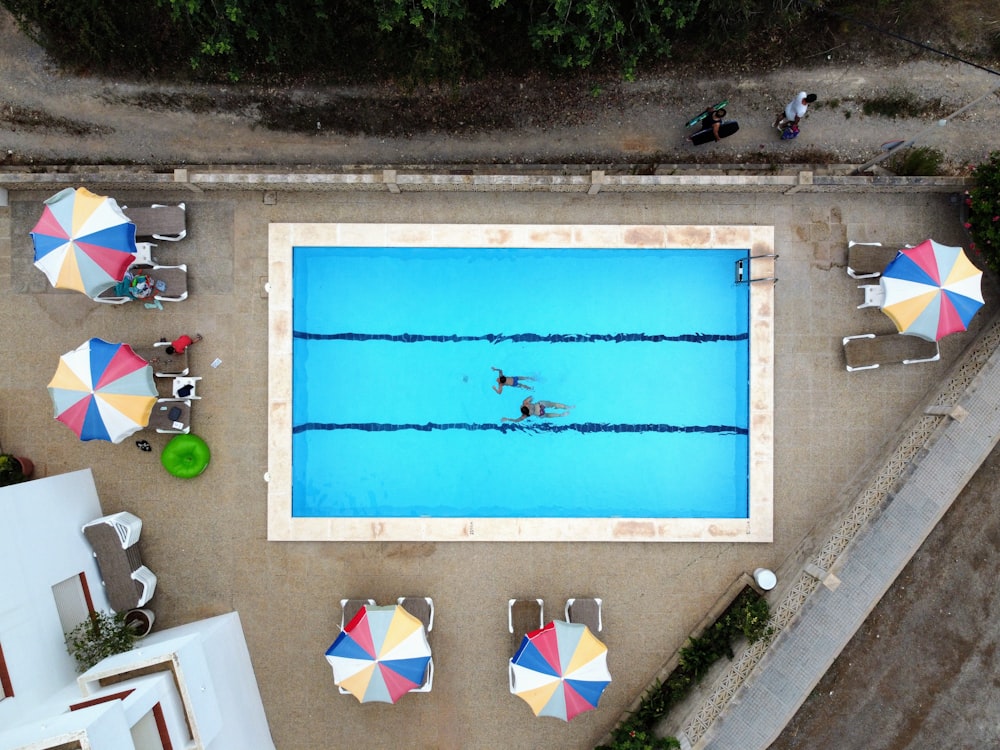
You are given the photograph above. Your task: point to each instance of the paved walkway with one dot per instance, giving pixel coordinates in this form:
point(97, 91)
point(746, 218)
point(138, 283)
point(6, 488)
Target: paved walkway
point(206, 539)
point(945, 448)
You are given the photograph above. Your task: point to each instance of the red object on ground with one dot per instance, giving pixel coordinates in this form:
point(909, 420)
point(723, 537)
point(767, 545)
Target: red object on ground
point(181, 343)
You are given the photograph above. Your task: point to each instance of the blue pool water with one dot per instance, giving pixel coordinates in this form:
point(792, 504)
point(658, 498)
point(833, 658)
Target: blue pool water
point(394, 416)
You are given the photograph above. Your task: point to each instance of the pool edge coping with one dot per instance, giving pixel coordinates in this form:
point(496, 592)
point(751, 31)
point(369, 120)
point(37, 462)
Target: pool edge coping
point(758, 527)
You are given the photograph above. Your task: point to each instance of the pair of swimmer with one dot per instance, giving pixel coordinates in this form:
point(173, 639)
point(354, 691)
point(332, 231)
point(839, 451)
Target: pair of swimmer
point(529, 408)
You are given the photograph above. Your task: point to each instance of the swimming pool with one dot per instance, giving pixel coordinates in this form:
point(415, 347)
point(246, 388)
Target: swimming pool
point(393, 431)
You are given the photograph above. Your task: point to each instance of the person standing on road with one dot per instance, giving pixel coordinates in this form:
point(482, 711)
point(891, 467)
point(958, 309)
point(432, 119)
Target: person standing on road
point(713, 120)
point(795, 110)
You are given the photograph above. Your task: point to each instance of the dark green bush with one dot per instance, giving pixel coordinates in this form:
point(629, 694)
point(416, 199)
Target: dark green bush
point(633, 735)
point(747, 615)
point(917, 162)
point(624, 32)
point(357, 40)
point(983, 203)
point(900, 103)
point(101, 635)
point(750, 616)
point(110, 38)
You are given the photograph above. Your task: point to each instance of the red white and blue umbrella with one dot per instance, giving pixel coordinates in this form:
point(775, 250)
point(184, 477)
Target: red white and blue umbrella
point(560, 670)
point(380, 655)
point(103, 391)
point(931, 290)
point(83, 241)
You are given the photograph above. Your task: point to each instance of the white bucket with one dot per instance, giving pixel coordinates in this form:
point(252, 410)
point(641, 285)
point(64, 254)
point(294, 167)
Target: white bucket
point(765, 578)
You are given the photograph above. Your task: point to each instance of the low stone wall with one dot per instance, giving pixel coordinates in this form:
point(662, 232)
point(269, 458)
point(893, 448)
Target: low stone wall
point(585, 178)
point(713, 614)
point(813, 564)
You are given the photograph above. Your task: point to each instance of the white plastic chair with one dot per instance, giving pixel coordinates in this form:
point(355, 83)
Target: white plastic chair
point(107, 297)
point(588, 611)
point(176, 277)
point(176, 237)
point(160, 371)
point(863, 254)
point(144, 253)
point(147, 579)
point(428, 679)
point(426, 613)
point(525, 606)
point(181, 381)
point(145, 218)
point(874, 295)
point(126, 525)
point(141, 264)
point(160, 420)
point(351, 607)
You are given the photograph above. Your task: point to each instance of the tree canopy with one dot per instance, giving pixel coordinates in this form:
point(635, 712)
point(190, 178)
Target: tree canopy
point(360, 39)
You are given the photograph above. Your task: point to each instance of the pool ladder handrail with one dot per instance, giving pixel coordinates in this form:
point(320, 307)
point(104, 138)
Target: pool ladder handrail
point(741, 270)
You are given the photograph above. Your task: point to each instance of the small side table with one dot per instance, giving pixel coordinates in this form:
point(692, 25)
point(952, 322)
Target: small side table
point(182, 381)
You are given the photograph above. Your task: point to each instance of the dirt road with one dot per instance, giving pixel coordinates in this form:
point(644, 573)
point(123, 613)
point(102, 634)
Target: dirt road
point(47, 116)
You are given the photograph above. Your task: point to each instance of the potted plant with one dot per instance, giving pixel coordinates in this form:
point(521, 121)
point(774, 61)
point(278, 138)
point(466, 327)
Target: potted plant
point(14, 469)
point(101, 635)
point(140, 620)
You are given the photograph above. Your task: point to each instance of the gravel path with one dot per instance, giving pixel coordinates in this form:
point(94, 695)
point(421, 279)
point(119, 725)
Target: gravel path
point(50, 117)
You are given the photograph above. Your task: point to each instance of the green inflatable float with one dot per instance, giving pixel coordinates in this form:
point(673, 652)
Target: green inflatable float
point(186, 456)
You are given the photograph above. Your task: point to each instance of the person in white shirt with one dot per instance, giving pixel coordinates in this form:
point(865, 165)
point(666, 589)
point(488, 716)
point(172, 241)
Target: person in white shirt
point(795, 110)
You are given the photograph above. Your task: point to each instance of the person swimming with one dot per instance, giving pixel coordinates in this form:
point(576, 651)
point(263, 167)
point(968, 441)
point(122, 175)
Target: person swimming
point(511, 381)
point(531, 408)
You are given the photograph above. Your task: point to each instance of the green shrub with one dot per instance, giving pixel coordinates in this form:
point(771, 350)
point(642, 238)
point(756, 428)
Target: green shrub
point(11, 471)
point(573, 35)
point(411, 41)
point(994, 43)
point(633, 735)
point(101, 635)
point(701, 653)
point(983, 203)
point(750, 616)
point(917, 162)
point(747, 615)
point(899, 103)
point(654, 704)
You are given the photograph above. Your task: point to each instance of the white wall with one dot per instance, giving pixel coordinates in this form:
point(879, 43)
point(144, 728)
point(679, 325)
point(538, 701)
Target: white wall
point(218, 679)
point(103, 726)
point(41, 544)
point(235, 687)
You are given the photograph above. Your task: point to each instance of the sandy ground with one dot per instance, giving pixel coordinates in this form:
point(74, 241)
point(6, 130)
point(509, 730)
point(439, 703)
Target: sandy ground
point(49, 117)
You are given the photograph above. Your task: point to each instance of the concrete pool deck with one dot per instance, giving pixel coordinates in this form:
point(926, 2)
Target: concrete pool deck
point(283, 525)
point(206, 539)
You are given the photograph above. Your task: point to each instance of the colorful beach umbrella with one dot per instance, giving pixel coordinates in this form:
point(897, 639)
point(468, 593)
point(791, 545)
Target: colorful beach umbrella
point(380, 655)
point(560, 670)
point(931, 290)
point(83, 241)
point(103, 391)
